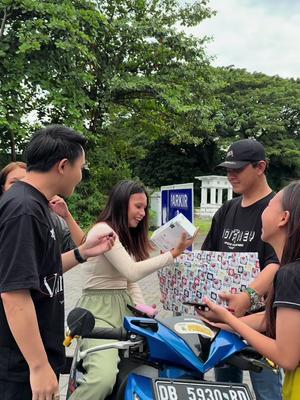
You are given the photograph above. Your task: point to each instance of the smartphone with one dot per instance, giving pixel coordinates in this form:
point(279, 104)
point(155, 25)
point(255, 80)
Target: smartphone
point(137, 312)
point(202, 307)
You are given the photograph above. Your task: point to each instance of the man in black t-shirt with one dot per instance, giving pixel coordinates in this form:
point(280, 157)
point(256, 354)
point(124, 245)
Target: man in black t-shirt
point(237, 226)
point(31, 267)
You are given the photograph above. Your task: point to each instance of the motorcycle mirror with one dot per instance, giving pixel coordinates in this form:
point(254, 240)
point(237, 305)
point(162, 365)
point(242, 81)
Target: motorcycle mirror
point(80, 322)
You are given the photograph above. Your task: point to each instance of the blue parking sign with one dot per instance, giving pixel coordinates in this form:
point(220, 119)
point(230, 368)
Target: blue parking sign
point(177, 199)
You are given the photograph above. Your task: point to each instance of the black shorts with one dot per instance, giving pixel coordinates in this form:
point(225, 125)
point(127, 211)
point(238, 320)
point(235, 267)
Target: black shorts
point(15, 390)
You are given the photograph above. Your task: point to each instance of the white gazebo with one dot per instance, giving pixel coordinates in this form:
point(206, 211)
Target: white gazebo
point(212, 187)
point(155, 205)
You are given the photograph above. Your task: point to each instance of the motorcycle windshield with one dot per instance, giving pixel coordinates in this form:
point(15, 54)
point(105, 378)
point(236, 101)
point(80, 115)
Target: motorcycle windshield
point(197, 334)
point(211, 345)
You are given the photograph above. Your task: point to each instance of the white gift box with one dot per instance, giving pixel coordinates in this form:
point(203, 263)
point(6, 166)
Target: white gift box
point(167, 236)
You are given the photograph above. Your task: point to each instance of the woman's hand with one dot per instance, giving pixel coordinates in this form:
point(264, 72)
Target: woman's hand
point(216, 313)
point(151, 311)
point(97, 244)
point(239, 302)
point(218, 325)
point(59, 206)
point(184, 243)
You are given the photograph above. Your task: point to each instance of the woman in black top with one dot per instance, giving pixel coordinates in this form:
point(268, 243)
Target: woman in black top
point(281, 321)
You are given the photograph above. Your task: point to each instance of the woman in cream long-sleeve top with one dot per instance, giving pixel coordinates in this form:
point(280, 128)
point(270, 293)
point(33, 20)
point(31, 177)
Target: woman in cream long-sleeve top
point(110, 281)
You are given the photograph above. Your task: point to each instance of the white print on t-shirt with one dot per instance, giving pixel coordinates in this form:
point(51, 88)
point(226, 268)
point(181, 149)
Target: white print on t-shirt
point(52, 233)
point(54, 284)
point(237, 238)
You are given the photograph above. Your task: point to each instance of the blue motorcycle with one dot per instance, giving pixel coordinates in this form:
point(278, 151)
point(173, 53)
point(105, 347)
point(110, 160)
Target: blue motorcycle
point(165, 359)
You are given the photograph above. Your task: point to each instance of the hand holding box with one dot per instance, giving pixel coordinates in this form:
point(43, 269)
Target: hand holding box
point(167, 236)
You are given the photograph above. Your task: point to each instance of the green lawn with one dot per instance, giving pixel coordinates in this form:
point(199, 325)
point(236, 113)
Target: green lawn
point(203, 225)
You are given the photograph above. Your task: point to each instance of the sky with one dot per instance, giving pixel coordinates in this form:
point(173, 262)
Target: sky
point(258, 35)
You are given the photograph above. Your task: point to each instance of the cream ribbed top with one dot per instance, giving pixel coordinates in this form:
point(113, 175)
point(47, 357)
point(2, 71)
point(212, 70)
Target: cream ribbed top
point(116, 269)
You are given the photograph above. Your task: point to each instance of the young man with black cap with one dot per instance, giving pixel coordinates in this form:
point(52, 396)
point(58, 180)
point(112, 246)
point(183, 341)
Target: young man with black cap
point(31, 267)
point(237, 226)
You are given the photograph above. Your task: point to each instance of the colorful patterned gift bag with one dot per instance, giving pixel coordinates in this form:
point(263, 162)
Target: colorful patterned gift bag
point(205, 273)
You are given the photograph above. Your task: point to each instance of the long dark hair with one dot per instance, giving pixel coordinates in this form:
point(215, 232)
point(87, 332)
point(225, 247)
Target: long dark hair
point(291, 249)
point(115, 214)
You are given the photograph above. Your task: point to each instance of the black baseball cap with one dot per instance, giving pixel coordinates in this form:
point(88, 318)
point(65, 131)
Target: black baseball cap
point(243, 152)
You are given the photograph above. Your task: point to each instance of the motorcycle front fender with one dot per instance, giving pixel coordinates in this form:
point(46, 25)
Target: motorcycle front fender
point(139, 385)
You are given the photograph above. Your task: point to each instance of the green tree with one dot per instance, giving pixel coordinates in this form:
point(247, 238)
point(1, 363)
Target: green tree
point(120, 71)
point(166, 163)
point(43, 55)
point(246, 106)
point(265, 108)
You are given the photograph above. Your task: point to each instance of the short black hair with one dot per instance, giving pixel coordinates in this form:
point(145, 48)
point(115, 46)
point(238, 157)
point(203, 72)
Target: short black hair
point(51, 144)
point(255, 164)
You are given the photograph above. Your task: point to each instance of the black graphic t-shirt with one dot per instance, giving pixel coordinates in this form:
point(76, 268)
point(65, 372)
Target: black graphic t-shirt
point(30, 259)
point(238, 229)
point(62, 232)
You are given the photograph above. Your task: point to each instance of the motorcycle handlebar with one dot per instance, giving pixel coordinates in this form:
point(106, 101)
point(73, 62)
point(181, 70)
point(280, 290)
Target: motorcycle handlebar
point(107, 333)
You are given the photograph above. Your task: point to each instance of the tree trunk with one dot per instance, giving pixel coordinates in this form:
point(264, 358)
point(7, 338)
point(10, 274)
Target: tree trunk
point(13, 147)
point(3, 23)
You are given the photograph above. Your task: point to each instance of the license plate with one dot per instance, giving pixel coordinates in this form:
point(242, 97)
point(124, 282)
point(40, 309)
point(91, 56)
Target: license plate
point(167, 389)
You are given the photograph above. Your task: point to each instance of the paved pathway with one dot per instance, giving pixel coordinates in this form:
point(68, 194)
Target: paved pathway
point(150, 289)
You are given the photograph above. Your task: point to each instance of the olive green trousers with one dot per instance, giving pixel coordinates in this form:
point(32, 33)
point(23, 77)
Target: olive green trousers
point(109, 308)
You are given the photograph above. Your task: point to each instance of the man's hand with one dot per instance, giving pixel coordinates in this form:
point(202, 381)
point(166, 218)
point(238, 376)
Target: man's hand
point(239, 302)
point(44, 383)
point(93, 246)
point(22, 319)
point(97, 244)
point(59, 206)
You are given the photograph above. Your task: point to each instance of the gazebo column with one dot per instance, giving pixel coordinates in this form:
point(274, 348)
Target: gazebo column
point(203, 195)
point(213, 195)
point(220, 196)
